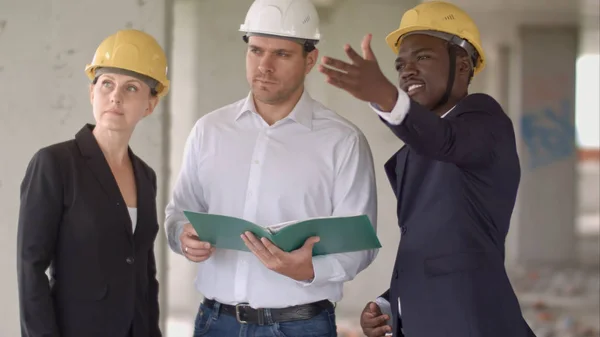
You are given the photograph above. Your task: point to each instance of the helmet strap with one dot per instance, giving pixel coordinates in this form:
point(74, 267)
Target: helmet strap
point(451, 76)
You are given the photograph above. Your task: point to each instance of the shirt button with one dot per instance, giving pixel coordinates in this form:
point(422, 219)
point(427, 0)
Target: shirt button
point(403, 230)
point(130, 260)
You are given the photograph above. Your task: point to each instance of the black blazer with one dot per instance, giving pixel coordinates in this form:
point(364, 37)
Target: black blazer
point(456, 183)
point(74, 220)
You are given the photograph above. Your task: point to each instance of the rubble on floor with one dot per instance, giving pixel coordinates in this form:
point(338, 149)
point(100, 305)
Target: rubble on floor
point(556, 302)
point(559, 302)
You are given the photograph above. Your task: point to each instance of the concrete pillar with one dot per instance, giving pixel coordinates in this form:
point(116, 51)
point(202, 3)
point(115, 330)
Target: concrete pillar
point(543, 96)
point(44, 47)
point(497, 73)
point(587, 119)
point(205, 77)
point(503, 65)
point(348, 22)
point(480, 82)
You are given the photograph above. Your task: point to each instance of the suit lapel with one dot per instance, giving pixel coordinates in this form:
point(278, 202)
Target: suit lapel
point(395, 169)
point(402, 161)
point(98, 165)
point(390, 171)
point(103, 175)
point(144, 196)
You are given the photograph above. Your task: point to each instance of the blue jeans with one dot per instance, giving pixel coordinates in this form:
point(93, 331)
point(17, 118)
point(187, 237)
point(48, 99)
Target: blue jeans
point(210, 322)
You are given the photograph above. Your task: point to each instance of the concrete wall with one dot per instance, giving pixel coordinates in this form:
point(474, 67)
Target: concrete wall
point(348, 23)
point(546, 133)
point(44, 47)
point(204, 78)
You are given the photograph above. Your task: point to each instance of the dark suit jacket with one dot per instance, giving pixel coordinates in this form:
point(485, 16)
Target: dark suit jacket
point(456, 182)
point(74, 220)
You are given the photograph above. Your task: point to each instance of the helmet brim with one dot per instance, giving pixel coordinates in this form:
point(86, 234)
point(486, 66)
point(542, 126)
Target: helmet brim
point(393, 40)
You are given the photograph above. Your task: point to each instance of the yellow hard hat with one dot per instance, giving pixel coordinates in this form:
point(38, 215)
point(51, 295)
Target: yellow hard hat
point(135, 51)
point(443, 17)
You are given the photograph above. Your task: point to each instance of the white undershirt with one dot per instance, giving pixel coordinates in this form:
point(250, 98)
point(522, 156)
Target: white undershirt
point(133, 216)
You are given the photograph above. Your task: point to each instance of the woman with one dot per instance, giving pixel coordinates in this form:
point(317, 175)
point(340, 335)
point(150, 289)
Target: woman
point(88, 209)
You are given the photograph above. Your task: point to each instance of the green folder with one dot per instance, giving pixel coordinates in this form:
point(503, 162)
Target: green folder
point(337, 234)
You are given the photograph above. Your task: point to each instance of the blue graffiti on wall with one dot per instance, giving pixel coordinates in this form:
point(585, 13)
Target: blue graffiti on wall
point(549, 134)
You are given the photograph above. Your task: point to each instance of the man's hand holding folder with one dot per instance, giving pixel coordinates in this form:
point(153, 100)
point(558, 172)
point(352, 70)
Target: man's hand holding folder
point(296, 265)
point(194, 249)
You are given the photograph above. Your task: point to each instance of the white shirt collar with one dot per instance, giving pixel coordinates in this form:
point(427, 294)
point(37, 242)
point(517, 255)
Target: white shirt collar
point(301, 114)
point(447, 112)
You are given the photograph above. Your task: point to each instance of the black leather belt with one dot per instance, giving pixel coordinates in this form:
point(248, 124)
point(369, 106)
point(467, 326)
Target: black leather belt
point(246, 314)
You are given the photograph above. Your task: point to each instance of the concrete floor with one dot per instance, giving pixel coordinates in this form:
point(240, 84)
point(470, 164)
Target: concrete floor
point(563, 301)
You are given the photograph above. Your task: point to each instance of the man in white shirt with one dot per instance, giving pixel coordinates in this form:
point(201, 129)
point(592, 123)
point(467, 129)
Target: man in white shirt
point(276, 155)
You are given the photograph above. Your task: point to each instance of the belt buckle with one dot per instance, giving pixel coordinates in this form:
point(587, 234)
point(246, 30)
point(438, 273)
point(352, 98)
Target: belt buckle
point(237, 312)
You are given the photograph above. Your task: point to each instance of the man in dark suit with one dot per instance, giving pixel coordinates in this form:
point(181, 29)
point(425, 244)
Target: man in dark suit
point(455, 180)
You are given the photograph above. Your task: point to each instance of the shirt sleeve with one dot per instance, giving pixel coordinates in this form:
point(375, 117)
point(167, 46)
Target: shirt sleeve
point(187, 192)
point(354, 192)
point(385, 307)
point(469, 139)
point(398, 113)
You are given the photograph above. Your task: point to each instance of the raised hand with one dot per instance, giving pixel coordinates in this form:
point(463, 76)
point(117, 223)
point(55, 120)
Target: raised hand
point(362, 78)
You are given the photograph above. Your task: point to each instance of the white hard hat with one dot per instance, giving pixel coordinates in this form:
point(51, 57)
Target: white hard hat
point(287, 18)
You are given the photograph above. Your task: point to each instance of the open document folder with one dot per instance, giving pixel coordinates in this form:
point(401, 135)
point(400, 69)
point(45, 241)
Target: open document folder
point(337, 234)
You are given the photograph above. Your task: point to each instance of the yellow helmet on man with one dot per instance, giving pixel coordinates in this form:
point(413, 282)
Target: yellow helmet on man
point(133, 52)
point(446, 21)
